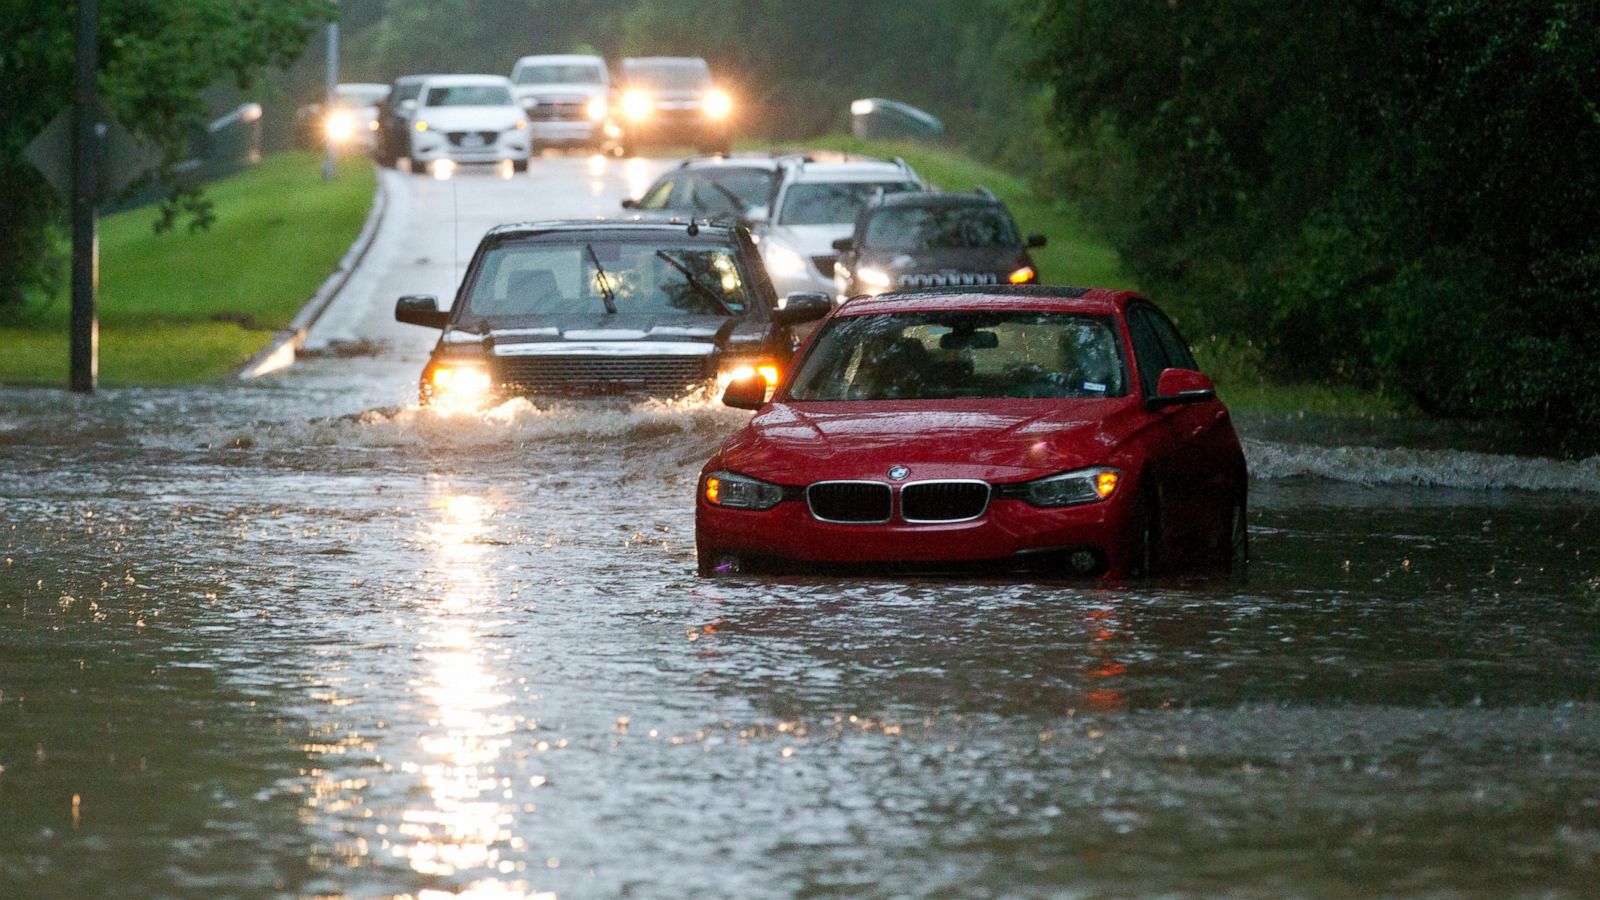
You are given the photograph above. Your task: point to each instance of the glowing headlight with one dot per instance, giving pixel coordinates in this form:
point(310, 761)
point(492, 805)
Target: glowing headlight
point(732, 491)
point(768, 373)
point(1074, 488)
point(521, 125)
point(421, 125)
point(874, 279)
point(596, 109)
point(1024, 275)
point(460, 384)
point(637, 105)
point(717, 104)
point(783, 261)
point(340, 126)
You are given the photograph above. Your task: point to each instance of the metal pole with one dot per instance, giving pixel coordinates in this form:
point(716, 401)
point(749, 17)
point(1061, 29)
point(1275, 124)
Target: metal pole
point(85, 362)
point(330, 163)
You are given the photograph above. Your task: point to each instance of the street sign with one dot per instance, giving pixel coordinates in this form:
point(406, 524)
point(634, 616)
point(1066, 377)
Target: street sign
point(124, 159)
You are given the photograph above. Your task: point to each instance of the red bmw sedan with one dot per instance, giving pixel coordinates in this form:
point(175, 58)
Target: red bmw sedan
point(1054, 429)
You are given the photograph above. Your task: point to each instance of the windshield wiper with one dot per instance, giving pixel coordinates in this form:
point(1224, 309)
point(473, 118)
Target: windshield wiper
point(695, 283)
point(606, 293)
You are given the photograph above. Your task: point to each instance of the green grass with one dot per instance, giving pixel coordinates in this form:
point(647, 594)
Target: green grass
point(186, 306)
point(1077, 255)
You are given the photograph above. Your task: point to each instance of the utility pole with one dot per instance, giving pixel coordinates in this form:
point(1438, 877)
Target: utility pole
point(85, 356)
point(331, 162)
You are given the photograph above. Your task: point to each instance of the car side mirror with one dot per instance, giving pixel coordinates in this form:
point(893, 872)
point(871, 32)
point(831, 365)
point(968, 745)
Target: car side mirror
point(757, 215)
point(1035, 241)
point(845, 245)
point(407, 107)
point(630, 203)
point(802, 306)
point(746, 393)
point(421, 309)
point(1177, 386)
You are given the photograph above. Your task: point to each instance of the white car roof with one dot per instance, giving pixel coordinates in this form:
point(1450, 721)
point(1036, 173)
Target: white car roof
point(466, 80)
point(559, 59)
point(849, 171)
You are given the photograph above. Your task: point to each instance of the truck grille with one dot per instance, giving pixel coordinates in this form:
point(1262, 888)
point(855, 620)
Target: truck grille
point(943, 501)
point(948, 279)
point(558, 374)
point(558, 110)
point(855, 502)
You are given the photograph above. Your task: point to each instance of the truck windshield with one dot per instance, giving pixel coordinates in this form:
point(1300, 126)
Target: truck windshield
point(543, 278)
point(569, 73)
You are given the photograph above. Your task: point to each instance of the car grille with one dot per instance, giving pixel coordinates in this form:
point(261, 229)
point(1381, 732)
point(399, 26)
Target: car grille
point(856, 502)
point(943, 501)
point(558, 109)
point(947, 279)
point(824, 264)
point(488, 137)
point(561, 374)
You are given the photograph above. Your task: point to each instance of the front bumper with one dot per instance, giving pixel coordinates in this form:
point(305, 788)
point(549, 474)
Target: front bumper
point(568, 132)
point(433, 145)
point(1010, 534)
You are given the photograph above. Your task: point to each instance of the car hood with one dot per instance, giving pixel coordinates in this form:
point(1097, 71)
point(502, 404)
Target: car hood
point(470, 118)
point(668, 335)
point(809, 240)
point(995, 440)
point(1003, 260)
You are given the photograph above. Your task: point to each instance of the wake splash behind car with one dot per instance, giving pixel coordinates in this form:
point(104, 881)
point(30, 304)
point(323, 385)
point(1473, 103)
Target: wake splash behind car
point(595, 308)
point(1055, 429)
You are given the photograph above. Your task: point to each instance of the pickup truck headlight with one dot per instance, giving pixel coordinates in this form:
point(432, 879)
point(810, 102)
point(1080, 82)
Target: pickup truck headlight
point(717, 104)
point(596, 109)
point(733, 491)
point(460, 384)
point(1074, 488)
point(783, 261)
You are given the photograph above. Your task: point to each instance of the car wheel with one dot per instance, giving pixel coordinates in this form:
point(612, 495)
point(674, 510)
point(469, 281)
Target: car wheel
point(1147, 536)
point(1236, 549)
point(519, 165)
point(418, 167)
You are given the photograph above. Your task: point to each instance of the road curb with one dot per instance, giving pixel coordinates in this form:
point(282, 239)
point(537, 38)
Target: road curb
point(286, 344)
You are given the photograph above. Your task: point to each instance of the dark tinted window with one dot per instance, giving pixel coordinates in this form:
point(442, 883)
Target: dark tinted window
point(1176, 348)
point(1149, 355)
point(944, 227)
point(833, 202)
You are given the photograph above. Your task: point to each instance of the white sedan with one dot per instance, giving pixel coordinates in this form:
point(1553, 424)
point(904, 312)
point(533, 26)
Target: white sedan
point(468, 119)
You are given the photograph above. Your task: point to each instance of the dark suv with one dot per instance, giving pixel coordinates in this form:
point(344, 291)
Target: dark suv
point(916, 239)
point(672, 100)
point(599, 308)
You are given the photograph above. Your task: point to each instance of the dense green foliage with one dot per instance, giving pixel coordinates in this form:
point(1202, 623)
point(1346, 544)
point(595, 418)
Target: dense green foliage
point(182, 306)
point(1400, 192)
point(156, 59)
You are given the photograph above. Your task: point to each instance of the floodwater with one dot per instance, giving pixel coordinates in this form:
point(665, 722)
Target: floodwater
point(295, 637)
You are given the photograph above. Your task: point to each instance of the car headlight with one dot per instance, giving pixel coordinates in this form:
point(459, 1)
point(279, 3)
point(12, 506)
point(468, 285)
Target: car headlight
point(637, 105)
point(874, 278)
point(783, 261)
point(460, 384)
point(340, 127)
point(740, 371)
point(732, 491)
point(1074, 488)
point(596, 109)
point(520, 125)
point(717, 104)
point(421, 125)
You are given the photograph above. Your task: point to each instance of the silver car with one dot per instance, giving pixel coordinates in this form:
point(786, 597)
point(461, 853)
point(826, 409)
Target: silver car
point(567, 99)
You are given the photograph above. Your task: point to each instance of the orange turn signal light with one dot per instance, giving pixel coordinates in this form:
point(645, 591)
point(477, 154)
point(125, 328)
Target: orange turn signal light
point(1024, 275)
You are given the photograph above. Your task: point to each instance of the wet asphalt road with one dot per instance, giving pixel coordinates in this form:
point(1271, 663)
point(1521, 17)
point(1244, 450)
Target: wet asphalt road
point(295, 637)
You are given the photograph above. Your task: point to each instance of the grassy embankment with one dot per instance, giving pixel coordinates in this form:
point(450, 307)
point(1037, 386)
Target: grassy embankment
point(191, 306)
point(1076, 255)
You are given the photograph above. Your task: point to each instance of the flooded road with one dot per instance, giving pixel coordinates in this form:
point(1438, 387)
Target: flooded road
point(296, 637)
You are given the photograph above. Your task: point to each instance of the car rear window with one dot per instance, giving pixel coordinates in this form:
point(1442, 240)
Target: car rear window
point(962, 353)
point(945, 227)
point(546, 278)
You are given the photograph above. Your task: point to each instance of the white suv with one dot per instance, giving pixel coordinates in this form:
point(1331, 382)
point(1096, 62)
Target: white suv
point(566, 98)
point(816, 202)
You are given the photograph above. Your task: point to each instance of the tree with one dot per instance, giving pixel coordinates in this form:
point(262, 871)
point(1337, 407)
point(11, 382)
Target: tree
point(156, 57)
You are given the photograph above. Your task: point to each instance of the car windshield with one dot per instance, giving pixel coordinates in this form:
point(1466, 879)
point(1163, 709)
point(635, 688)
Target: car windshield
point(405, 90)
point(910, 228)
point(963, 354)
point(565, 73)
point(469, 95)
point(833, 202)
point(731, 190)
point(363, 95)
point(683, 76)
point(537, 278)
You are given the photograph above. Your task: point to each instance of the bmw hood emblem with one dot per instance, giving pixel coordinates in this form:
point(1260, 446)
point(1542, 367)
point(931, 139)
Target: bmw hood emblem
point(898, 473)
